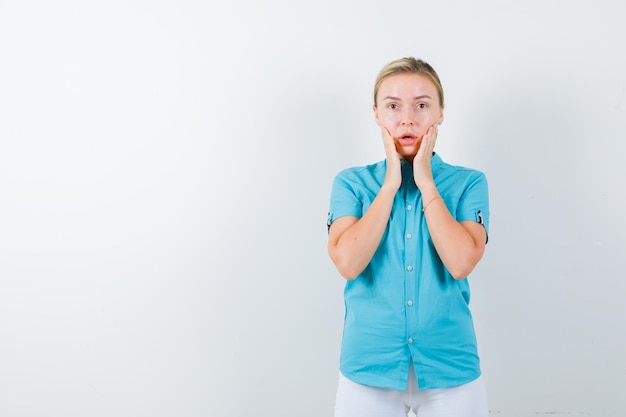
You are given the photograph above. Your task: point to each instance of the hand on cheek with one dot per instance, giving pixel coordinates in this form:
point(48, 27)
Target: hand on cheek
point(393, 176)
point(422, 172)
point(428, 141)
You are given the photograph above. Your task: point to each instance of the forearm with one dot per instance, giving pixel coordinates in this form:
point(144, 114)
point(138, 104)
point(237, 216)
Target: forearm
point(352, 249)
point(458, 249)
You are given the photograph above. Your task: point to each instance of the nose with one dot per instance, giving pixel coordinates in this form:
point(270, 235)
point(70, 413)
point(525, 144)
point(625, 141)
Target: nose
point(407, 117)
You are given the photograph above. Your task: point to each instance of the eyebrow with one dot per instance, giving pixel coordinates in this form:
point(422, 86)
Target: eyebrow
point(414, 98)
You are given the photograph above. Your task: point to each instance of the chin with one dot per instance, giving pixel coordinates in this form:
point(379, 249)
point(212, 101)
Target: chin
point(408, 154)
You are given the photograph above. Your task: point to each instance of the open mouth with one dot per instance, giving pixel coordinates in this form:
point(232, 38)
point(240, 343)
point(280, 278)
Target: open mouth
point(407, 140)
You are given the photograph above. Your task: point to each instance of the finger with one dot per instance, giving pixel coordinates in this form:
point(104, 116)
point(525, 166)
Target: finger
point(386, 135)
point(435, 132)
point(432, 132)
point(390, 146)
point(429, 139)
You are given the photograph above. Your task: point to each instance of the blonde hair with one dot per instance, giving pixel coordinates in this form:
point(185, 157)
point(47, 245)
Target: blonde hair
point(408, 65)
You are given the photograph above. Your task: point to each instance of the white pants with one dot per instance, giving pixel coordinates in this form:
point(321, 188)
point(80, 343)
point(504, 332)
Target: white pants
point(356, 400)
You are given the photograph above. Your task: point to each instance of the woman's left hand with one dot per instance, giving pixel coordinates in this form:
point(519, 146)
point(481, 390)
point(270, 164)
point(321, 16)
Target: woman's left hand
point(422, 172)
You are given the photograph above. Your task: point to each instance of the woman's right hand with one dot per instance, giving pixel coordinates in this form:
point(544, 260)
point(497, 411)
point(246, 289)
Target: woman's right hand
point(393, 176)
point(352, 241)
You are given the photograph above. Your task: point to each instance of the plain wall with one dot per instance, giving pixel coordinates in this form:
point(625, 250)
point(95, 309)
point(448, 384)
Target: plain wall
point(165, 171)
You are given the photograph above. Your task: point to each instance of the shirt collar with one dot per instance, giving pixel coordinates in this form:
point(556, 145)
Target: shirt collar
point(435, 161)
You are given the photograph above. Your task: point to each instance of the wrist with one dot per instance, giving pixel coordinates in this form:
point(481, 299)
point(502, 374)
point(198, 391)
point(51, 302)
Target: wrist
point(427, 187)
point(389, 189)
point(429, 202)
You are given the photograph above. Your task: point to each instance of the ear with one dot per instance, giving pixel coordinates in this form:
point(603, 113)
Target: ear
point(376, 114)
point(440, 120)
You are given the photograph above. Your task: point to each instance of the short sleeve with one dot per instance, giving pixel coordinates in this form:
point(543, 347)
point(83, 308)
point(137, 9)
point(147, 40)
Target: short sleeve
point(474, 204)
point(344, 200)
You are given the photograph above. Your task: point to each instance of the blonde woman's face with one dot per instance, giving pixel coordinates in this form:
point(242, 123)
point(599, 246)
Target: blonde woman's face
point(407, 105)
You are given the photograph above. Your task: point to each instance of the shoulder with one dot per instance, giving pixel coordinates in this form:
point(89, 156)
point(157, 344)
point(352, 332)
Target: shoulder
point(458, 172)
point(362, 173)
point(360, 170)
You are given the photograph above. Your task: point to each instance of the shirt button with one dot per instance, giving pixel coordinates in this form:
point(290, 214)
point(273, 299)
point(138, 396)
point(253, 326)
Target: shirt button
point(409, 236)
point(409, 207)
point(410, 340)
point(409, 268)
point(409, 303)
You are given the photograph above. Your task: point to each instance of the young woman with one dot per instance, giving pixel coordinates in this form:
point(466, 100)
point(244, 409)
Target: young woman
point(405, 233)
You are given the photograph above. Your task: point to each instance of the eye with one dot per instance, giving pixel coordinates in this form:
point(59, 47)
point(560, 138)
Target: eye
point(422, 106)
point(392, 106)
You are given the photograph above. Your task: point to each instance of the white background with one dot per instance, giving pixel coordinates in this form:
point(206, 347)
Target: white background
point(165, 170)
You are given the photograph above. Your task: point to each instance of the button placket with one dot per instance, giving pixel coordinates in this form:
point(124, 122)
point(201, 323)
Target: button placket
point(410, 259)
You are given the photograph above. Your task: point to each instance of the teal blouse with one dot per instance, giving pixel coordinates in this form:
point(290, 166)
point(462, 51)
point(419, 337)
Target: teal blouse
point(405, 306)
